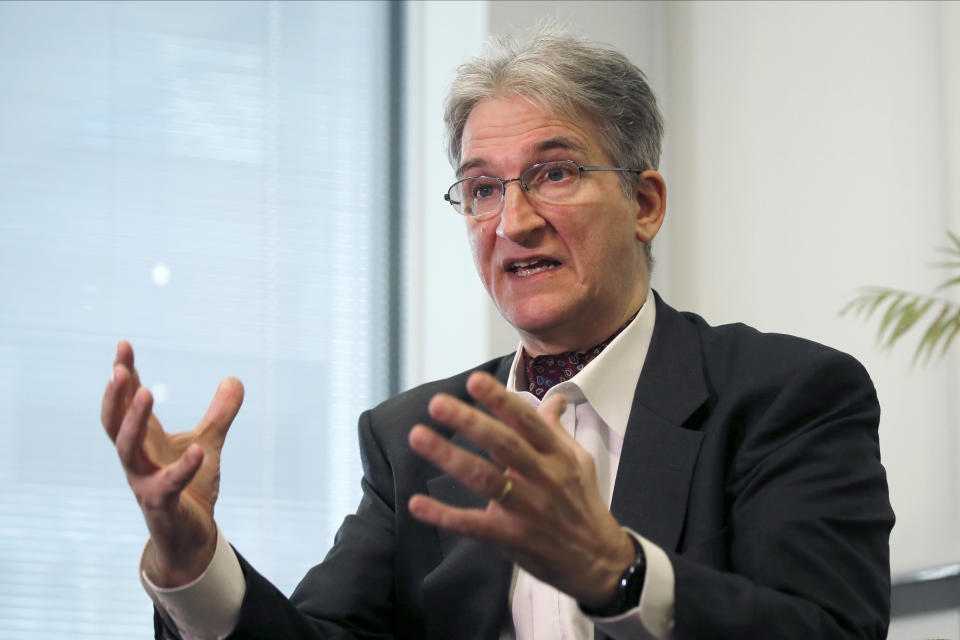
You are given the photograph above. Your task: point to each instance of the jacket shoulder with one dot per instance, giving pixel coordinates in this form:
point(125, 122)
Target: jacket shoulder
point(393, 418)
point(741, 351)
point(455, 385)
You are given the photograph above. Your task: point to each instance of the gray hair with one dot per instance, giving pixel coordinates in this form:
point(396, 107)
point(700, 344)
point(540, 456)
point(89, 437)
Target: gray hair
point(572, 77)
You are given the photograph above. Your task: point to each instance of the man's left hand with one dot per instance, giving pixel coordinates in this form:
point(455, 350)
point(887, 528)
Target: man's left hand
point(545, 512)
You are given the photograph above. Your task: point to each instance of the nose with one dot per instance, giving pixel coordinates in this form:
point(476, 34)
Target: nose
point(519, 220)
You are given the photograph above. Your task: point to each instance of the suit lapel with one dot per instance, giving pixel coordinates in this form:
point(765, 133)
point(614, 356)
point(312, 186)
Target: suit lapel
point(468, 565)
point(658, 455)
point(446, 489)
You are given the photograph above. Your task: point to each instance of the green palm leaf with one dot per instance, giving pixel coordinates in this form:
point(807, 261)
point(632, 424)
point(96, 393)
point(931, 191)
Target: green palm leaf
point(900, 311)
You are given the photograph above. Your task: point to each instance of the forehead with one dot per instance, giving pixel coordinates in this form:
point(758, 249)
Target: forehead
point(517, 129)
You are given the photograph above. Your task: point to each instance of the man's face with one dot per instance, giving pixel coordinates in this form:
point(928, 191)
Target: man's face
point(565, 275)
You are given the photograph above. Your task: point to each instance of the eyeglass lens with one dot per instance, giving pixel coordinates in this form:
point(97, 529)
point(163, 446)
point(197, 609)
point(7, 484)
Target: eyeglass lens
point(550, 182)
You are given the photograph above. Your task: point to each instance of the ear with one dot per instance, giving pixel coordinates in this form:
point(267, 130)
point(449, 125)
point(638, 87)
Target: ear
point(650, 197)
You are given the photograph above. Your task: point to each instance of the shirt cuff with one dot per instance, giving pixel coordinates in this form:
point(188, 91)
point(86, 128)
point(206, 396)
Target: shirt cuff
point(207, 608)
point(653, 617)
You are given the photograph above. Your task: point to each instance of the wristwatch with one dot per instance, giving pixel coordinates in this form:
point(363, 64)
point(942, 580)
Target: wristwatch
point(629, 588)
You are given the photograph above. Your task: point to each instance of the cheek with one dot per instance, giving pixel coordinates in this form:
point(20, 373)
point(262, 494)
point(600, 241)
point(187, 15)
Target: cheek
point(480, 247)
point(602, 253)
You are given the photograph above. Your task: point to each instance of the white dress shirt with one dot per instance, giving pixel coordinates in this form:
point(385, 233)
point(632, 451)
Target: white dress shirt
point(599, 399)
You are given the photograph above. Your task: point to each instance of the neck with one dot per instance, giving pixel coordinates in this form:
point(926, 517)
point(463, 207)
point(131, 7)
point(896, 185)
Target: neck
point(581, 337)
point(543, 372)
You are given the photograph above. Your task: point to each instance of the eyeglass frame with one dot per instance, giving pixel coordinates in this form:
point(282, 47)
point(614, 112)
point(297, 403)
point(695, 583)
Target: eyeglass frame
point(458, 205)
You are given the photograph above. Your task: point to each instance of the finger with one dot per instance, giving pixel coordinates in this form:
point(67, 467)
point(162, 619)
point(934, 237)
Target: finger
point(115, 401)
point(125, 357)
point(473, 471)
point(510, 408)
point(173, 479)
point(222, 410)
point(466, 522)
point(132, 432)
point(504, 444)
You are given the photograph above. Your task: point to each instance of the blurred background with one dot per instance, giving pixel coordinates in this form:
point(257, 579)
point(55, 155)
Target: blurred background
point(254, 189)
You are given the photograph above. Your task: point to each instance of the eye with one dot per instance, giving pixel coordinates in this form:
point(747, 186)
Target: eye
point(483, 188)
point(553, 173)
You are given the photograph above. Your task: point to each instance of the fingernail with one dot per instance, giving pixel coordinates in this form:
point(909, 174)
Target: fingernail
point(438, 407)
point(415, 505)
point(142, 399)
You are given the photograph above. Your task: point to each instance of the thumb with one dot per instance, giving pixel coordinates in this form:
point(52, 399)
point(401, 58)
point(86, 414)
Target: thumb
point(222, 410)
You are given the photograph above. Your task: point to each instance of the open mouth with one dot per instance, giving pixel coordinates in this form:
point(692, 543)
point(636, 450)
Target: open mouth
point(530, 267)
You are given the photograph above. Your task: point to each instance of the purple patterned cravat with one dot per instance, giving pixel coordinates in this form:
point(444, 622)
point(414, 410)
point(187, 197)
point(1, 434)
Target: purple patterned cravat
point(544, 372)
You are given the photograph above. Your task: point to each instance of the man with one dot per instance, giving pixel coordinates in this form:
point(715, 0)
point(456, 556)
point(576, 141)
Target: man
point(630, 471)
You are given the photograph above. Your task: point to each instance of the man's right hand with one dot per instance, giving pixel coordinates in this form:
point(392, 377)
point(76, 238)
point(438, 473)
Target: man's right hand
point(175, 477)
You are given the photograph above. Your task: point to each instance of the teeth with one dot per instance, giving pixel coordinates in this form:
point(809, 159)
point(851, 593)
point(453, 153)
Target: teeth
point(521, 270)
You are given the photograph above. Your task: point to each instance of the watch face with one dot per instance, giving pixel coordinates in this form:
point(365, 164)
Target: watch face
point(632, 584)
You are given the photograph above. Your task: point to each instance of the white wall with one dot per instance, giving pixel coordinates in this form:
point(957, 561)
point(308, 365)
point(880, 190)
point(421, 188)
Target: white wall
point(812, 148)
point(445, 314)
point(809, 157)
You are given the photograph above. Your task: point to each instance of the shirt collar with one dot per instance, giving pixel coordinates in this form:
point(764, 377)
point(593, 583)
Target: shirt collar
point(609, 381)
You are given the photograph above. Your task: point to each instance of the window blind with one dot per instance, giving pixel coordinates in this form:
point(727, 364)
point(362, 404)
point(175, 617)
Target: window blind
point(210, 180)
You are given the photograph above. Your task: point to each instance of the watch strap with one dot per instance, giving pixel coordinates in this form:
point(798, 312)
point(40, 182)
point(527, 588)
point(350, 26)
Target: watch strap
point(629, 587)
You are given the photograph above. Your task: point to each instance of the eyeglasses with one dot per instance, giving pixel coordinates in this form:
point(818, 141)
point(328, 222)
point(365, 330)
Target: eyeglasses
point(553, 182)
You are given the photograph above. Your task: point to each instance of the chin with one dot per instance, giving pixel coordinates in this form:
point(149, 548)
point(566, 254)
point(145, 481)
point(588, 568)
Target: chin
point(539, 325)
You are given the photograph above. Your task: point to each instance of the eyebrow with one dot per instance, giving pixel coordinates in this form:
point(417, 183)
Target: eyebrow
point(559, 142)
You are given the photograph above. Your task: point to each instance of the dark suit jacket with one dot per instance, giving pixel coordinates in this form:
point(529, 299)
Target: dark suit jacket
point(751, 458)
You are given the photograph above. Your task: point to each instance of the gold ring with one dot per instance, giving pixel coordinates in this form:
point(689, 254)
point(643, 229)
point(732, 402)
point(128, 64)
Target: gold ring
point(507, 488)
